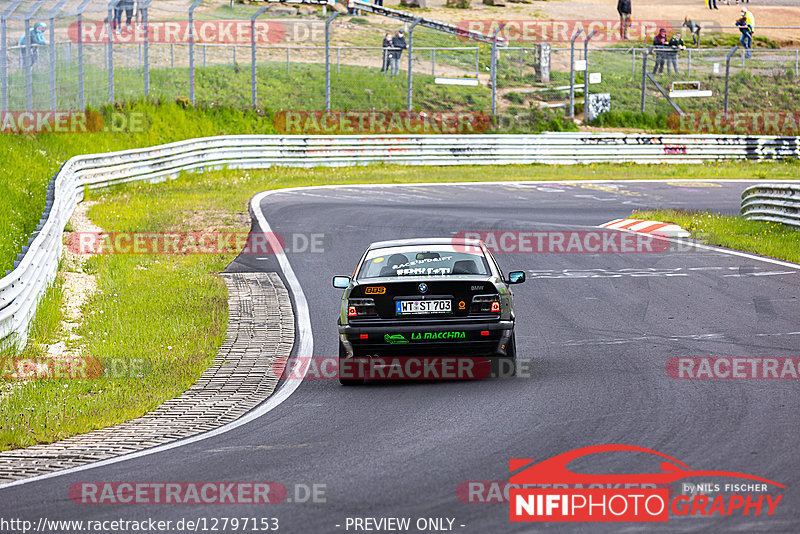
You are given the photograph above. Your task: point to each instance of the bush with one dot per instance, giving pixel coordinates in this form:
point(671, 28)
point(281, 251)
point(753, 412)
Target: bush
point(516, 98)
point(631, 119)
point(521, 120)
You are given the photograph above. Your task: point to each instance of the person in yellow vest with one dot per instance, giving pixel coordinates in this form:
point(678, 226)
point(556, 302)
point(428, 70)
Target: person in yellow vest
point(746, 25)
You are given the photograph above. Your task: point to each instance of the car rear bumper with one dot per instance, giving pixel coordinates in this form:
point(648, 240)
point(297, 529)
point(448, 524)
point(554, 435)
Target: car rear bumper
point(435, 339)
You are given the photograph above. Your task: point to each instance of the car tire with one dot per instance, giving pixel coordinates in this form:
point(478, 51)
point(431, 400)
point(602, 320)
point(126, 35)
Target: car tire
point(342, 359)
point(506, 366)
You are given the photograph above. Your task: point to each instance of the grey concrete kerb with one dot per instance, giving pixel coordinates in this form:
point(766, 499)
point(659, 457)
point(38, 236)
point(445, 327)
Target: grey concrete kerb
point(260, 330)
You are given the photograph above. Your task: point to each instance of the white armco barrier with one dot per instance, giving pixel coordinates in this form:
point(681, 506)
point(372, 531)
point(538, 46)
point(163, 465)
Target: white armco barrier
point(22, 288)
point(772, 202)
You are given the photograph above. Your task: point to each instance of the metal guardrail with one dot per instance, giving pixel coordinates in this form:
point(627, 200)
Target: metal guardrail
point(772, 202)
point(21, 289)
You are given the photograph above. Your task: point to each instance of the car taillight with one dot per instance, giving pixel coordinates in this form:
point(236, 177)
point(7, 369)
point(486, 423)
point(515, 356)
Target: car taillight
point(485, 304)
point(361, 308)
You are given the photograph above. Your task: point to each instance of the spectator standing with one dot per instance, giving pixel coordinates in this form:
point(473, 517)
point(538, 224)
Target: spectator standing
point(694, 28)
point(712, 4)
point(37, 38)
point(624, 10)
point(675, 43)
point(387, 49)
point(139, 11)
point(117, 16)
point(746, 25)
point(660, 42)
point(127, 7)
point(398, 45)
point(379, 3)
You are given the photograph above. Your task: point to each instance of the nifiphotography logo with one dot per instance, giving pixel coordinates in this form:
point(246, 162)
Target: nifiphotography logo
point(548, 491)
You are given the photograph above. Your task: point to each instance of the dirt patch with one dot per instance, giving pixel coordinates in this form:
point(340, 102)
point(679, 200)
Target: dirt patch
point(78, 287)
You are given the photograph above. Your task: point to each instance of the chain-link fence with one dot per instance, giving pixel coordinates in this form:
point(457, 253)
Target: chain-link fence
point(69, 54)
point(697, 84)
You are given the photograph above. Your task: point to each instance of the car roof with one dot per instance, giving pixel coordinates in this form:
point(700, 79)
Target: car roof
point(425, 241)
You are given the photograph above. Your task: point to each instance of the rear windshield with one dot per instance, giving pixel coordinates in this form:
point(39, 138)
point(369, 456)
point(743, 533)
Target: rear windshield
point(424, 260)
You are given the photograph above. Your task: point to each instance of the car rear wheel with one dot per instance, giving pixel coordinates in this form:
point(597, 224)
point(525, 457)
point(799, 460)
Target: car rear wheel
point(506, 366)
point(342, 365)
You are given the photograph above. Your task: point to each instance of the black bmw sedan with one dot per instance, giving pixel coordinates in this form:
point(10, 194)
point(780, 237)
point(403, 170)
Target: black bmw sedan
point(413, 300)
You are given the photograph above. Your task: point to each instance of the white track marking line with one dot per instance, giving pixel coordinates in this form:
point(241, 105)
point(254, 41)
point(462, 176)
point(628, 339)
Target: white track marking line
point(738, 253)
point(304, 335)
point(768, 273)
point(303, 339)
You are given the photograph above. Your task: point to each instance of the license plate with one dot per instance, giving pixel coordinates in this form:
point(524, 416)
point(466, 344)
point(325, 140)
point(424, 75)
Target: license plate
point(410, 307)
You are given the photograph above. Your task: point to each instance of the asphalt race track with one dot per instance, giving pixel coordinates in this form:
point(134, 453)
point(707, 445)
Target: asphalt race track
point(597, 328)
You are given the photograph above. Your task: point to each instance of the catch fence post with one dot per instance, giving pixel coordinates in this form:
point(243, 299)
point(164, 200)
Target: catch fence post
point(586, 77)
point(410, 62)
point(191, 49)
point(728, 73)
point(328, 60)
point(253, 73)
point(572, 73)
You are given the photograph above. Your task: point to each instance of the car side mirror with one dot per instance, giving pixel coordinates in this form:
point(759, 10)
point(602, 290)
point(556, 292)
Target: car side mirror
point(341, 282)
point(516, 277)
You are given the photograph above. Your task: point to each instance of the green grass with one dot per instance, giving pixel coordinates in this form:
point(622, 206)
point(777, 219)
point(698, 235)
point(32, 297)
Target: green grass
point(155, 323)
point(652, 122)
point(519, 119)
point(766, 238)
point(762, 85)
point(302, 88)
point(170, 329)
point(31, 160)
point(728, 40)
point(47, 324)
